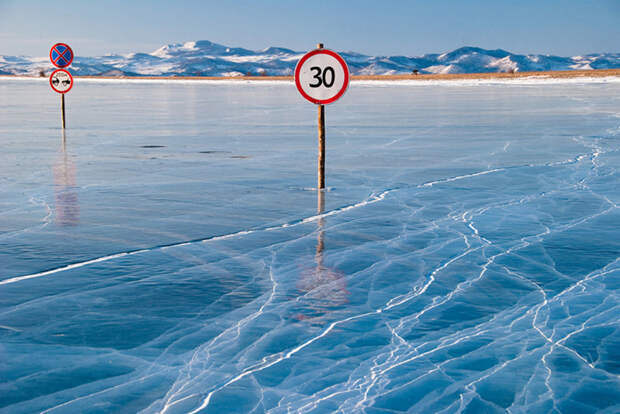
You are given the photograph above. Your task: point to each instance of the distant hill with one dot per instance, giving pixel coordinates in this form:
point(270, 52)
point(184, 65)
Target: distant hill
point(204, 58)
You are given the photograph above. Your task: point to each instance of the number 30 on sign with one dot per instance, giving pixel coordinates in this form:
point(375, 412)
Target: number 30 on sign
point(322, 76)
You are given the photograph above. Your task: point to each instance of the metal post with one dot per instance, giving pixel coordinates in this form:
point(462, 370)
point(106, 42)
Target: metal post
point(62, 109)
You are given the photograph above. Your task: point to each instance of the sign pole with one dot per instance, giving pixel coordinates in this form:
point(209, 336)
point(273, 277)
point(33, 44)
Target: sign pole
point(321, 157)
point(61, 81)
point(321, 147)
point(321, 77)
point(62, 109)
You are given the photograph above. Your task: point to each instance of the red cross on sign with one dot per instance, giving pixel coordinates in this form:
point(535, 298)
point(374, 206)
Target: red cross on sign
point(61, 55)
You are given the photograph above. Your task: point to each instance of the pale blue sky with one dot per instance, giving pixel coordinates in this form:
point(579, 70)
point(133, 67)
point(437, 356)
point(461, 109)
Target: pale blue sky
point(560, 27)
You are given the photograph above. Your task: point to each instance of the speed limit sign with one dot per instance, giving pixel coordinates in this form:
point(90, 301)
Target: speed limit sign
point(322, 76)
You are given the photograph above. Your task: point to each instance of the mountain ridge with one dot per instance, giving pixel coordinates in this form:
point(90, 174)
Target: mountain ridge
point(206, 58)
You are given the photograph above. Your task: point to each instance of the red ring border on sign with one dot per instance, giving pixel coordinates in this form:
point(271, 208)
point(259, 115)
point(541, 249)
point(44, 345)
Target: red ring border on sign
point(68, 47)
point(70, 77)
point(340, 60)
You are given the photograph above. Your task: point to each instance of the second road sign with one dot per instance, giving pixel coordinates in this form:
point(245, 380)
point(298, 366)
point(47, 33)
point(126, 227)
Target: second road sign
point(61, 81)
point(322, 76)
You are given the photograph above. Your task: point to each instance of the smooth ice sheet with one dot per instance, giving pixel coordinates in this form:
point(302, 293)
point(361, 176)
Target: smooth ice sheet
point(171, 256)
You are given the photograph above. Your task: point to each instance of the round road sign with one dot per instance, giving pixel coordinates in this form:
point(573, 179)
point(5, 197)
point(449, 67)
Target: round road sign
point(61, 55)
point(322, 76)
point(61, 81)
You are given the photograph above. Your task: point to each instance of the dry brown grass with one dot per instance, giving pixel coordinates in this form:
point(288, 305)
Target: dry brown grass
point(551, 74)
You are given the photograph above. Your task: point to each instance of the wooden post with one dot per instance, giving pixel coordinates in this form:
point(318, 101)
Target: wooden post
point(62, 109)
point(321, 183)
point(321, 158)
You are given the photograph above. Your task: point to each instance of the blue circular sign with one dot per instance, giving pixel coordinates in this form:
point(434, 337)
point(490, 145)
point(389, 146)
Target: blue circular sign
point(61, 55)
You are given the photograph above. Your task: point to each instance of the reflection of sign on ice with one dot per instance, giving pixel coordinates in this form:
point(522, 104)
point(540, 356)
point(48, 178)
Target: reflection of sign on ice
point(324, 289)
point(67, 205)
point(61, 81)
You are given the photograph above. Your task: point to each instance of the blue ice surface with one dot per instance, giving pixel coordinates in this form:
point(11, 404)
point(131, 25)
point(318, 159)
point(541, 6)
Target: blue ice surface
point(169, 257)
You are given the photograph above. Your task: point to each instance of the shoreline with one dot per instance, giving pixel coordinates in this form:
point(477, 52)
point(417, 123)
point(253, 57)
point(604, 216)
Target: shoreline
point(473, 78)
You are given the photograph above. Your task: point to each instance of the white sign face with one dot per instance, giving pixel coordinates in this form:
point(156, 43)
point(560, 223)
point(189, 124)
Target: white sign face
point(322, 76)
point(61, 81)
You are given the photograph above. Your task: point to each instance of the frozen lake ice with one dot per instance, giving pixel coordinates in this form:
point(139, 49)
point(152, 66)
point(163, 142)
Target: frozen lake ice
point(170, 256)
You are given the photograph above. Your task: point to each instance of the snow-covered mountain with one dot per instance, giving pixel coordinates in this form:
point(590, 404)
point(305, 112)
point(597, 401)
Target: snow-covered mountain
point(204, 58)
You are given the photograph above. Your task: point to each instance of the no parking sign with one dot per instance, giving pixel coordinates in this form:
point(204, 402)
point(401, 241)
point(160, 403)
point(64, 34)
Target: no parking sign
point(61, 55)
